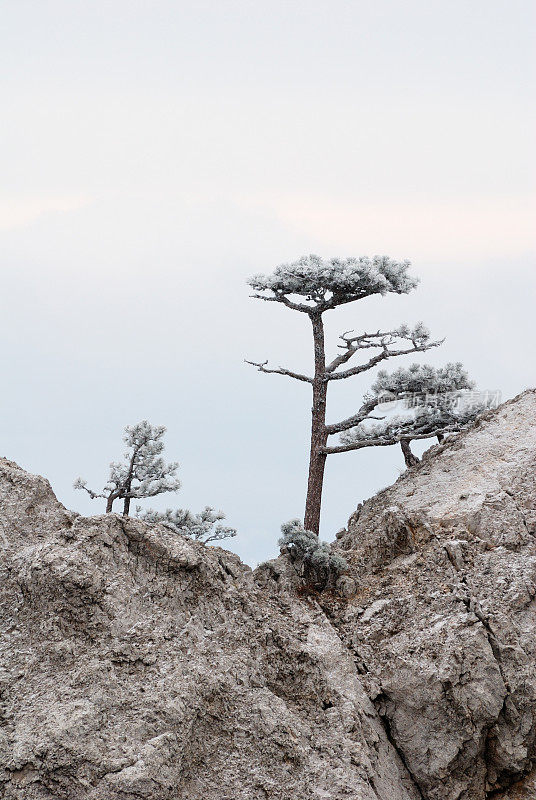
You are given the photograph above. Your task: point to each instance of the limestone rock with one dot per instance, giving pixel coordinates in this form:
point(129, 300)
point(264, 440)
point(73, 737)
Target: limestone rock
point(442, 622)
point(135, 663)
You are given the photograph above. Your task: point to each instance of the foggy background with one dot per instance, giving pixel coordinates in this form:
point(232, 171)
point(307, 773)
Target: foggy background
point(154, 155)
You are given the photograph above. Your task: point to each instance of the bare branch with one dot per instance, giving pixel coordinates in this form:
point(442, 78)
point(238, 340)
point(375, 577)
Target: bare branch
point(354, 343)
point(319, 301)
point(355, 419)
point(342, 298)
point(386, 353)
point(261, 366)
point(81, 484)
point(345, 448)
point(279, 297)
point(419, 339)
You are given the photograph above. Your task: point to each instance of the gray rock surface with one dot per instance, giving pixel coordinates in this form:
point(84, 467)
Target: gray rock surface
point(135, 663)
point(442, 619)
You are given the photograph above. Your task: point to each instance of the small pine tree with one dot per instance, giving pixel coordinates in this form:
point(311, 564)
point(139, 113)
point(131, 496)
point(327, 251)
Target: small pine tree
point(143, 473)
point(314, 558)
point(201, 527)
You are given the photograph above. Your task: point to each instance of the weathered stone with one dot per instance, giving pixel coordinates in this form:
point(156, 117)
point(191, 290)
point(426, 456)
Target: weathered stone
point(449, 651)
point(136, 663)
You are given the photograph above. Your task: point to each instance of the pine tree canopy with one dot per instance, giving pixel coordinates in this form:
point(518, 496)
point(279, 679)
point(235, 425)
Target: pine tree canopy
point(143, 473)
point(203, 527)
point(432, 401)
point(422, 379)
point(327, 283)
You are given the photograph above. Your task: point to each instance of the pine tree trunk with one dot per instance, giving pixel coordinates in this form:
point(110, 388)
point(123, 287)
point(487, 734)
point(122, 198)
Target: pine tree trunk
point(409, 457)
point(109, 503)
point(126, 504)
point(128, 482)
point(319, 437)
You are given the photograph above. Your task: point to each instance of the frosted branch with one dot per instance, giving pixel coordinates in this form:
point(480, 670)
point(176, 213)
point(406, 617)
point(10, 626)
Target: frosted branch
point(261, 366)
point(279, 297)
point(387, 441)
point(355, 419)
point(81, 484)
point(419, 339)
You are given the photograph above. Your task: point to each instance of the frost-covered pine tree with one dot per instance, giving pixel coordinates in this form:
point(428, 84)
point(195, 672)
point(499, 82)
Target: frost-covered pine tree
point(312, 557)
point(312, 286)
point(428, 402)
point(202, 527)
point(143, 473)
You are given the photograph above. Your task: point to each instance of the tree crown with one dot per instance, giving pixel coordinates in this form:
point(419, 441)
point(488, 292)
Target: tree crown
point(422, 379)
point(433, 401)
point(146, 471)
point(425, 421)
point(327, 283)
point(143, 473)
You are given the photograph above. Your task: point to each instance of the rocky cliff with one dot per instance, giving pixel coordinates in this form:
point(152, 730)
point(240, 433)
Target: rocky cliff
point(441, 614)
point(138, 664)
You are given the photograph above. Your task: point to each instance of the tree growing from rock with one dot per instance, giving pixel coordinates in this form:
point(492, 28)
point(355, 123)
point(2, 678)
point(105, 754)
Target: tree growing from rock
point(143, 473)
point(202, 527)
point(432, 401)
point(313, 558)
point(312, 286)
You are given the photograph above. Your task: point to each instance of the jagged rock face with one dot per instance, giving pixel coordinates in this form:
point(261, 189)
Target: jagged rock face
point(138, 664)
point(440, 609)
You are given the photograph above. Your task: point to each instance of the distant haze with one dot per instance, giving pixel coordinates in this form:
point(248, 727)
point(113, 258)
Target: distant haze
point(156, 154)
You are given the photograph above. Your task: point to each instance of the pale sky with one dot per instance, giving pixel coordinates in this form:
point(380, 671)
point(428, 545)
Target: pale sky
point(156, 154)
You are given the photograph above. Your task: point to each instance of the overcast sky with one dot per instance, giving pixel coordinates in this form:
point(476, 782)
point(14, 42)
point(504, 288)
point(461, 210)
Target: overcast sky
point(155, 154)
